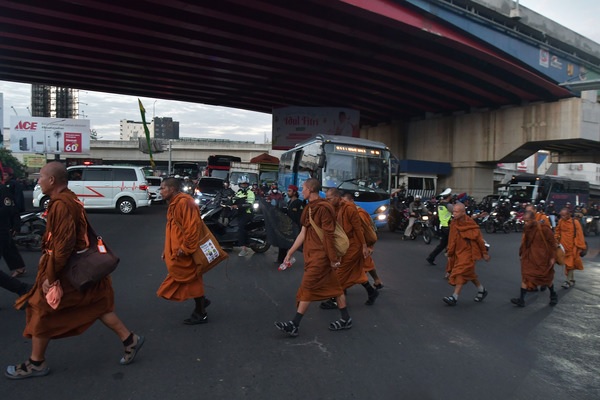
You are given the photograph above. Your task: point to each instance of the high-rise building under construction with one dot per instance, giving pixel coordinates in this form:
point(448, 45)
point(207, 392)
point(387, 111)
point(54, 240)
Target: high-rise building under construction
point(54, 101)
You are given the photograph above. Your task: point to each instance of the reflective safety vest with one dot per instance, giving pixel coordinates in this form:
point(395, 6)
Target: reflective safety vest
point(444, 215)
point(247, 195)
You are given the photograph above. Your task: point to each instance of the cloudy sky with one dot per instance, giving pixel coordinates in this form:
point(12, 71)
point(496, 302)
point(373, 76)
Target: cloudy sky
point(198, 120)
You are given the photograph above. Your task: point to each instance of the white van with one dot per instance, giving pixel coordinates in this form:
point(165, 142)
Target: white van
point(104, 186)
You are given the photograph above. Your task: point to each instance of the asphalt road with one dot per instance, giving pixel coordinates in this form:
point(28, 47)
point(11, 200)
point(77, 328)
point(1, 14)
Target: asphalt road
point(409, 345)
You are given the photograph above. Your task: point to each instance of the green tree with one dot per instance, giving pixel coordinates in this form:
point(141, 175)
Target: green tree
point(8, 160)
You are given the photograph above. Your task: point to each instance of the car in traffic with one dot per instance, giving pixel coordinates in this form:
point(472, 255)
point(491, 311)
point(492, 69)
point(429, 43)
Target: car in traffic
point(207, 189)
point(154, 189)
point(123, 188)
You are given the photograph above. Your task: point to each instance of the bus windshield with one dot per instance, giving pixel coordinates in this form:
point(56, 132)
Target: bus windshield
point(352, 172)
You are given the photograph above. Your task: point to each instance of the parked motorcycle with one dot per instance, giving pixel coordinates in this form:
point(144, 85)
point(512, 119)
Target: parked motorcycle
point(33, 227)
point(227, 234)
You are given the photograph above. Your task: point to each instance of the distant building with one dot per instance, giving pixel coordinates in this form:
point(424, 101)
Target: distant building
point(54, 102)
point(166, 128)
point(160, 128)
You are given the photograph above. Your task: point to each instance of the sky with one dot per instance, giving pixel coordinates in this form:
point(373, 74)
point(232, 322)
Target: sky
point(105, 110)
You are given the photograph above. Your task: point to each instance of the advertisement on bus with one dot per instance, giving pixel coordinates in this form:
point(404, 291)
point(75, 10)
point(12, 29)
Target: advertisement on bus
point(49, 135)
point(292, 125)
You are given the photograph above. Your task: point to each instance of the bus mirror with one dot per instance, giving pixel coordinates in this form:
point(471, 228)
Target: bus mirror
point(322, 161)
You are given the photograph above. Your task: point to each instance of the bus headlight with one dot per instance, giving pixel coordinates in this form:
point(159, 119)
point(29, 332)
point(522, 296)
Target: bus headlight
point(381, 209)
point(381, 217)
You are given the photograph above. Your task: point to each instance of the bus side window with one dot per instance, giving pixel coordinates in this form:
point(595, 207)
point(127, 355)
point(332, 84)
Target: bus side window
point(309, 163)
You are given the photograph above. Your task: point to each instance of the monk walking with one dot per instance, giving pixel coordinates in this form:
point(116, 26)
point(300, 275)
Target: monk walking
point(351, 271)
point(369, 265)
point(465, 247)
point(568, 232)
point(181, 240)
point(320, 280)
point(537, 252)
point(66, 233)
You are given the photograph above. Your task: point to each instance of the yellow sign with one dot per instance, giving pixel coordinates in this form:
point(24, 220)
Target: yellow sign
point(34, 160)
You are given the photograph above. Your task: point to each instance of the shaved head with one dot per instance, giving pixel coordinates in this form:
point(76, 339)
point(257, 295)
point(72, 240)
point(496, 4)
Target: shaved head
point(459, 210)
point(57, 170)
point(172, 183)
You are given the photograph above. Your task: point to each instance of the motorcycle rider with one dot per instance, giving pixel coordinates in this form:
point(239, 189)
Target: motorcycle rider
point(243, 201)
point(224, 197)
point(551, 213)
point(416, 209)
point(444, 210)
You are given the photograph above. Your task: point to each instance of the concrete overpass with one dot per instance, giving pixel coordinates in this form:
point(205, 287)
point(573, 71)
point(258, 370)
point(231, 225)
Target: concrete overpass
point(471, 82)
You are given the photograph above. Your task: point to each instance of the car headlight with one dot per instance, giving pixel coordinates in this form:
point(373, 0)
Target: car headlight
point(381, 217)
point(381, 209)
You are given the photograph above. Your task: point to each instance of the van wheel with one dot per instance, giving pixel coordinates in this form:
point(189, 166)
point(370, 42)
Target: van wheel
point(126, 205)
point(45, 202)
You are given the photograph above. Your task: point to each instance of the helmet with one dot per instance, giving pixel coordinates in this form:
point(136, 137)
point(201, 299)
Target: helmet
point(417, 197)
point(446, 192)
point(243, 179)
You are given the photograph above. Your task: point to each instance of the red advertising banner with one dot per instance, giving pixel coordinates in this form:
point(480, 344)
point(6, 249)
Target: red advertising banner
point(72, 142)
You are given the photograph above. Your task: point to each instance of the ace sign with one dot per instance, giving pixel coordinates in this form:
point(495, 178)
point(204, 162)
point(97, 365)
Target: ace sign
point(40, 135)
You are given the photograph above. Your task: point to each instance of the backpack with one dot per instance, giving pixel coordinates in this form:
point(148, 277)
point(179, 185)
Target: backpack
point(369, 230)
point(340, 239)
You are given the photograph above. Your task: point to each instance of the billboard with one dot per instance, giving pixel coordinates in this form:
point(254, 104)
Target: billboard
point(49, 135)
point(292, 125)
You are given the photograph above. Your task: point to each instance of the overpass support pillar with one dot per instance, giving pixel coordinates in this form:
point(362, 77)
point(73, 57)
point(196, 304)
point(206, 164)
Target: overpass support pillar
point(476, 179)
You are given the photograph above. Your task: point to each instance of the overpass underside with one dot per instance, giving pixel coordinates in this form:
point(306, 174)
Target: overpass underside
point(463, 77)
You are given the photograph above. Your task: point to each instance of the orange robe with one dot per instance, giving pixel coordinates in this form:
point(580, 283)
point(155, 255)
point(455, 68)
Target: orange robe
point(351, 270)
point(538, 248)
point(541, 217)
point(465, 247)
point(369, 264)
point(568, 232)
point(66, 232)
point(319, 281)
point(182, 281)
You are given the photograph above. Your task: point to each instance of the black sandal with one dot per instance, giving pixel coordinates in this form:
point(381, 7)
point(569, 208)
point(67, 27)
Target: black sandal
point(480, 296)
point(340, 324)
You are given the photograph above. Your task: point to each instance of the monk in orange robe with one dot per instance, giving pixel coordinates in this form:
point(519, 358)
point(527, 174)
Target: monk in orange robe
point(369, 265)
point(537, 252)
point(320, 281)
point(538, 211)
point(66, 233)
point(465, 247)
point(182, 239)
point(568, 232)
point(351, 271)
